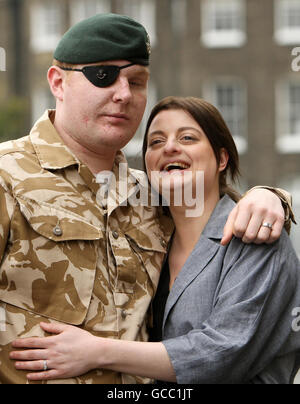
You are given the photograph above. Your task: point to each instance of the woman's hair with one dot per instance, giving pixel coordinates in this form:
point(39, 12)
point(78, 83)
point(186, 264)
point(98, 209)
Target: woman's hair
point(213, 125)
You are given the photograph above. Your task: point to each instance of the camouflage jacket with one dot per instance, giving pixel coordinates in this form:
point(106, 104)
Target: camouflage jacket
point(64, 257)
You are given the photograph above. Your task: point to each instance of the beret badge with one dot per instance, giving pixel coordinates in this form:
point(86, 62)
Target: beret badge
point(148, 44)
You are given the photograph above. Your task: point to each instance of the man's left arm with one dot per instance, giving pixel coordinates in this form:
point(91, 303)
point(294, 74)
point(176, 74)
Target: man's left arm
point(260, 216)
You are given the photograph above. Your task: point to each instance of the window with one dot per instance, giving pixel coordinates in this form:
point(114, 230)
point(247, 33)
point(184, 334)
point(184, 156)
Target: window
point(143, 11)
point(45, 26)
point(223, 23)
point(230, 97)
point(287, 22)
point(82, 9)
point(288, 116)
point(178, 17)
point(292, 185)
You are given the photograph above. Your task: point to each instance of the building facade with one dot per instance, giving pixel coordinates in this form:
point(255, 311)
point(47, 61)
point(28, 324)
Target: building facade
point(242, 55)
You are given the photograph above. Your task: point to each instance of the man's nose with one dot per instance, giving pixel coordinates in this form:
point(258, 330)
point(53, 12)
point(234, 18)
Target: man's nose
point(122, 91)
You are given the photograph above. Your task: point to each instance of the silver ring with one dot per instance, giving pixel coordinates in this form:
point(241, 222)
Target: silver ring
point(268, 225)
point(45, 365)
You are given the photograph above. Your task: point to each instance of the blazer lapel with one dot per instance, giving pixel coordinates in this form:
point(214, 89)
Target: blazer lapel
point(204, 251)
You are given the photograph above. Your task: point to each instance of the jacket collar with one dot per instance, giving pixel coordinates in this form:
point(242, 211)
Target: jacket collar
point(51, 151)
point(53, 154)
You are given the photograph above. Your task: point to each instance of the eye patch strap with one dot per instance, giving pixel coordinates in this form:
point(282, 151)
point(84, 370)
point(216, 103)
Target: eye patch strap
point(100, 66)
point(101, 75)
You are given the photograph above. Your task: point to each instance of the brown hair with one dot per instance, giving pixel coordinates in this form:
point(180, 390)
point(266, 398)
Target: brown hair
point(62, 64)
point(212, 123)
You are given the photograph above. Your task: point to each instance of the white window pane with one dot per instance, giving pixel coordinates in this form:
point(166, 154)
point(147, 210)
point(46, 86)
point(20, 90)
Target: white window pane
point(45, 26)
point(223, 23)
point(143, 11)
point(179, 15)
point(293, 186)
point(226, 19)
point(229, 96)
point(288, 116)
point(290, 11)
point(294, 17)
point(228, 101)
point(287, 22)
point(82, 9)
point(294, 110)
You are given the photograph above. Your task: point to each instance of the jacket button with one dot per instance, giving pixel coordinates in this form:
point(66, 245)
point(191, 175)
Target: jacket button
point(123, 314)
point(115, 235)
point(163, 243)
point(57, 231)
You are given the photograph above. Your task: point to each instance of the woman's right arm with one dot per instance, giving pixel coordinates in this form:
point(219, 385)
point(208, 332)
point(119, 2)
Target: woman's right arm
point(73, 352)
point(250, 326)
point(146, 359)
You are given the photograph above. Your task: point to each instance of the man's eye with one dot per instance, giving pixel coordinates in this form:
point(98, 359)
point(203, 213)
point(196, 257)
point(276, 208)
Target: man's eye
point(136, 83)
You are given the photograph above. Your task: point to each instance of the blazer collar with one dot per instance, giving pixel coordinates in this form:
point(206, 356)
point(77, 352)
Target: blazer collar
point(215, 226)
point(204, 251)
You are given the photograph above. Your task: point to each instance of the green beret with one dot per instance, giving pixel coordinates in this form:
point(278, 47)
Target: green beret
point(104, 37)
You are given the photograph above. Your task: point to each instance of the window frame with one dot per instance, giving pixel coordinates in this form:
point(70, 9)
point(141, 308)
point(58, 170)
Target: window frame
point(285, 35)
point(210, 94)
point(286, 142)
point(79, 12)
point(292, 185)
point(143, 11)
point(41, 41)
point(227, 38)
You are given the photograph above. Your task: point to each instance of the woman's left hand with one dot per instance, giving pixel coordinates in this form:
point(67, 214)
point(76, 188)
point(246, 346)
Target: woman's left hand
point(257, 207)
point(67, 354)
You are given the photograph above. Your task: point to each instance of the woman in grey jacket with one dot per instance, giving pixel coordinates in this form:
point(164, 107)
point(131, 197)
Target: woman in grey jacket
point(222, 314)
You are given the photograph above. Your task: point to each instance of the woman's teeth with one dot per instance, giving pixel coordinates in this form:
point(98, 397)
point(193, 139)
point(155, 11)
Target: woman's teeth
point(175, 166)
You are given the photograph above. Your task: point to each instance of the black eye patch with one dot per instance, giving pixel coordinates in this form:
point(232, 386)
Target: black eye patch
point(100, 76)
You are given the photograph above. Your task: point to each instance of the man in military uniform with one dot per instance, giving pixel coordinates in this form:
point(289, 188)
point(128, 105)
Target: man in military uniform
point(65, 255)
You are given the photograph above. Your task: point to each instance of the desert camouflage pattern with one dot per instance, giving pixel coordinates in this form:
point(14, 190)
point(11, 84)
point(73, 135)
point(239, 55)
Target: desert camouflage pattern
point(65, 257)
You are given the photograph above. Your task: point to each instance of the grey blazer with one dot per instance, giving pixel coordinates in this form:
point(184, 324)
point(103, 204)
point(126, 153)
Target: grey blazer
point(229, 315)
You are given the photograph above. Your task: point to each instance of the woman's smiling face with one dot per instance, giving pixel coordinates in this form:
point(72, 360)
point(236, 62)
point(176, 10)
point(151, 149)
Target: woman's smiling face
point(177, 145)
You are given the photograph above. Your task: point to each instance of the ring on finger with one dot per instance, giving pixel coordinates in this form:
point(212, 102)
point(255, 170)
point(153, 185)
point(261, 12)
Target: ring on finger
point(268, 225)
point(45, 366)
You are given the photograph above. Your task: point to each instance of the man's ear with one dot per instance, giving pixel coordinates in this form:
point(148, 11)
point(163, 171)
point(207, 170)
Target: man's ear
point(56, 78)
point(224, 157)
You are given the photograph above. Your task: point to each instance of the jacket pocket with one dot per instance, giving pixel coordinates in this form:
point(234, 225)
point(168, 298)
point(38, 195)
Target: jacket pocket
point(150, 247)
point(50, 263)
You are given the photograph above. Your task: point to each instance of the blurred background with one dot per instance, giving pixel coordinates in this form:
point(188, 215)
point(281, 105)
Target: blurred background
point(242, 55)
